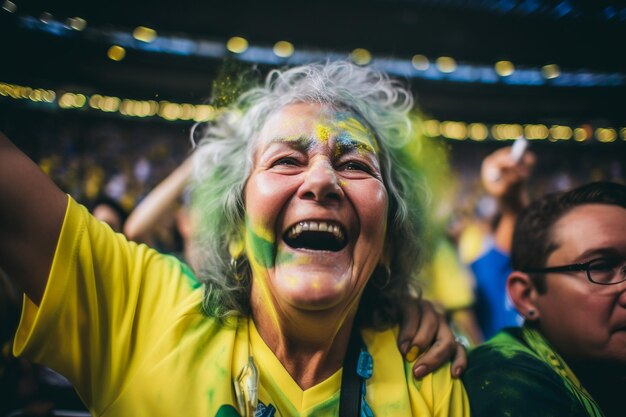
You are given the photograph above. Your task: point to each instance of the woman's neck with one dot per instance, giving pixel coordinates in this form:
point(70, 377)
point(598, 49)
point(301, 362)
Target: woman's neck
point(310, 345)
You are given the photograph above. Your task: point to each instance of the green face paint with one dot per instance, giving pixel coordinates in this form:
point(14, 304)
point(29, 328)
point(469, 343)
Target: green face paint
point(261, 249)
point(284, 258)
point(259, 246)
point(300, 147)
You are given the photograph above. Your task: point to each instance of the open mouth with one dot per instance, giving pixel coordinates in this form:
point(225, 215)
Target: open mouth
point(316, 235)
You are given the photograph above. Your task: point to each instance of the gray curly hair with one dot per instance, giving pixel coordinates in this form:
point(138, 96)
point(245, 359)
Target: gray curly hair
point(223, 162)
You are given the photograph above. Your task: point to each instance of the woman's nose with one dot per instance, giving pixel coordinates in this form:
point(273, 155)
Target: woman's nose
point(321, 183)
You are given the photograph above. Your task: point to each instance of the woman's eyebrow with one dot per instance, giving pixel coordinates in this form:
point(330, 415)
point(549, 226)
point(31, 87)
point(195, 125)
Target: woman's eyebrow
point(298, 143)
point(346, 143)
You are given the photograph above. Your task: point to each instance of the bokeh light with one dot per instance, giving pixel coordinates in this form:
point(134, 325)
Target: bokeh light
point(283, 49)
point(144, 34)
point(76, 23)
point(504, 68)
point(361, 56)
point(9, 6)
point(116, 53)
point(237, 44)
point(551, 71)
point(446, 64)
point(478, 131)
point(420, 62)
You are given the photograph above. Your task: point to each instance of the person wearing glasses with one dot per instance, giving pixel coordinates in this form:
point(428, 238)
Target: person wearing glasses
point(569, 283)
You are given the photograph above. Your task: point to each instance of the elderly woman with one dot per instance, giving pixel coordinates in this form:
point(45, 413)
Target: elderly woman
point(309, 236)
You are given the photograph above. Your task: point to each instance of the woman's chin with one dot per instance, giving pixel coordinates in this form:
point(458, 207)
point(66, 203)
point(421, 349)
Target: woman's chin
point(313, 291)
point(314, 302)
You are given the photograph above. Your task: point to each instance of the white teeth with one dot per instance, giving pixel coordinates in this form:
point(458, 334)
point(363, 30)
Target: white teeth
point(315, 226)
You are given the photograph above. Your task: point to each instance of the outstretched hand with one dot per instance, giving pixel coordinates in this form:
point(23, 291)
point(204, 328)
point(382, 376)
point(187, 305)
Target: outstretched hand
point(506, 180)
point(503, 177)
point(425, 336)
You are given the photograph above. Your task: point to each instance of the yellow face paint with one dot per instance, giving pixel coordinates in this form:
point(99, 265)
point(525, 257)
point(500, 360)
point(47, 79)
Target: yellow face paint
point(292, 281)
point(260, 254)
point(356, 131)
point(301, 144)
point(259, 245)
point(315, 284)
point(323, 132)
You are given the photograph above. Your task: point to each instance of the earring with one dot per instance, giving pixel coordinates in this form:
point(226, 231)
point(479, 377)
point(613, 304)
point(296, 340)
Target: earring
point(234, 269)
point(381, 276)
point(238, 260)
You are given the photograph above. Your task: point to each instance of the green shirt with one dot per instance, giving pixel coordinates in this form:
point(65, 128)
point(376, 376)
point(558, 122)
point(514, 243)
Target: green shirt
point(507, 377)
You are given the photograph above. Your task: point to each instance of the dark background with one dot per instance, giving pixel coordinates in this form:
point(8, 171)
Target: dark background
point(577, 35)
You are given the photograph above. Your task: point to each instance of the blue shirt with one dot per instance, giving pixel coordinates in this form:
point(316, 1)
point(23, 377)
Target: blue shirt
point(494, 309)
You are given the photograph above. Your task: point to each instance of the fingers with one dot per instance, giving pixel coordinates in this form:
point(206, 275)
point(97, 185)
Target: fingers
point(426, 334)
point(411, 314)
point(426, 339)
point(459, 364)
point(493, 170)
point(502, 176)
point(442, 350)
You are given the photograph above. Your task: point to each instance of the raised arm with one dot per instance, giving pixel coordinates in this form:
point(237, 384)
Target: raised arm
point(143, 219)
point(506, 180)
point(31, 216)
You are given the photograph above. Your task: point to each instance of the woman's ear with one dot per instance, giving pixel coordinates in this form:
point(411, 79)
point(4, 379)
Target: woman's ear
point(523, 294)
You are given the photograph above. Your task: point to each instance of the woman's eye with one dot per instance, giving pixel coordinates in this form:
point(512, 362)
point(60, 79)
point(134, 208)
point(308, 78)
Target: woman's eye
point(285, 161)
point(355, 166)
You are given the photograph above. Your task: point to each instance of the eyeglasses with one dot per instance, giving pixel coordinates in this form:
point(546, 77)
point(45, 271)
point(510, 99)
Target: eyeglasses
point(603, 271)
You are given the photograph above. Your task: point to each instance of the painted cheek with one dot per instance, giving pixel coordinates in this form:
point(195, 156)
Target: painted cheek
point(260, 236)
point(260, 242)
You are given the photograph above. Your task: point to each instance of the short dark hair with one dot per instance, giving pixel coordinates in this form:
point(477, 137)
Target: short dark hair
point(533, 239)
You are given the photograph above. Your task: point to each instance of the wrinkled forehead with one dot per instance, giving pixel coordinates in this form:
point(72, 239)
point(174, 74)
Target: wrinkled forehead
point(320, 123)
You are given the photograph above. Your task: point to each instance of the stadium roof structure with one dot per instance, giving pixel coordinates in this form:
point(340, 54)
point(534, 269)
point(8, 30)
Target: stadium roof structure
point(561, 61)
